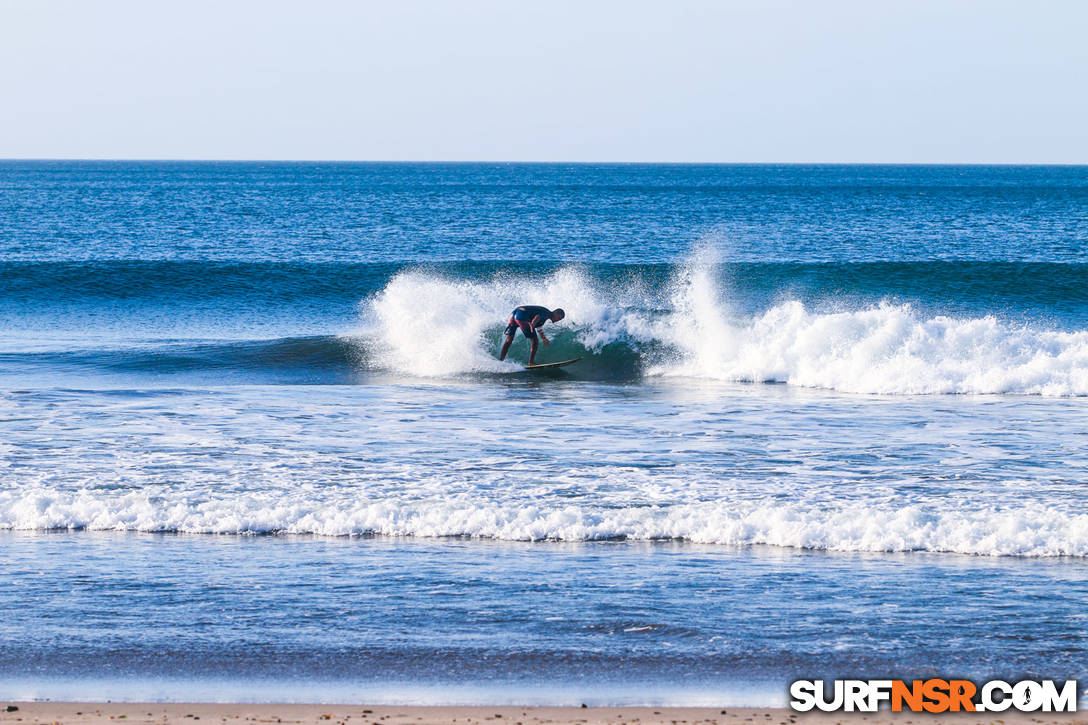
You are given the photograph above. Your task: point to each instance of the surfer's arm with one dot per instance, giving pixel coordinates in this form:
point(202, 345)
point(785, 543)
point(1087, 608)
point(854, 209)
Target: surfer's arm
point(538, 327)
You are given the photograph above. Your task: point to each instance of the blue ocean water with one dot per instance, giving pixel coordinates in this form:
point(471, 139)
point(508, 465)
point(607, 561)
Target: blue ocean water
point(255, 442)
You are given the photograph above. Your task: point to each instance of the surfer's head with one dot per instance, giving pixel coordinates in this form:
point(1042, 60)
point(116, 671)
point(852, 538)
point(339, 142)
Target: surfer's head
point(558, 314)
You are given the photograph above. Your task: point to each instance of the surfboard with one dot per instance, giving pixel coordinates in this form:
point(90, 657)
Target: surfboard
point(551, 366)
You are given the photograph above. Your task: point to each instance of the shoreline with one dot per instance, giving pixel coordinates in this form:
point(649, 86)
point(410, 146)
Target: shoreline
point(188, 713)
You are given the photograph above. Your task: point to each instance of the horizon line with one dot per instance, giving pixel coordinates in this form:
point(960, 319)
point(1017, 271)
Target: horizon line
point(106, 159)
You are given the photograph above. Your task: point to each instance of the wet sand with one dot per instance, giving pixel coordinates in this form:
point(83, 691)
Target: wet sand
point(187, 714)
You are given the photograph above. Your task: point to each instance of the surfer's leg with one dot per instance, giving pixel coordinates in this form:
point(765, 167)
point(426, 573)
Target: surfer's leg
point(511, 330)
point(529, 332)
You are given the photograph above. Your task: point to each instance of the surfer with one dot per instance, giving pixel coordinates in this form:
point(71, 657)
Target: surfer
point(529, 318)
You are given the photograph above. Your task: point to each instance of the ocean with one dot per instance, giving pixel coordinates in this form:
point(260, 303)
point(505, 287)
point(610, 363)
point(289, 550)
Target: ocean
point(256, 443)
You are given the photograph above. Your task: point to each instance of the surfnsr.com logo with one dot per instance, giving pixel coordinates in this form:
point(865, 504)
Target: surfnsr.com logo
point(934, 695)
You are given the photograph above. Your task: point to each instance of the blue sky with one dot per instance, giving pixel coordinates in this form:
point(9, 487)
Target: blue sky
point(678, 80)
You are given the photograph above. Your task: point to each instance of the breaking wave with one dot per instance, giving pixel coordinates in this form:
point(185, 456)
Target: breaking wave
point(427, 324)
point(1023, 530)
point(700, 320)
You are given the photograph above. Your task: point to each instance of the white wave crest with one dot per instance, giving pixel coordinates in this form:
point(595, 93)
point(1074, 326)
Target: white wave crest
point(428, 325)
point(1026, 530)
point(887, 349)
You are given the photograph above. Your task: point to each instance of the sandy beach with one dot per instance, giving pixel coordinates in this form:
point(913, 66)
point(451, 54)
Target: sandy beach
point(75, 712)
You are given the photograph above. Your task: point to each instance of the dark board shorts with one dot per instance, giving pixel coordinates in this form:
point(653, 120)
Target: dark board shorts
point(525, 326)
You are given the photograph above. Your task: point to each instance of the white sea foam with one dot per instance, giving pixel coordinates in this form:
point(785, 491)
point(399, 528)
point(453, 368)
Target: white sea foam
point(711, 464)
point(427, 325)
point(886, 349)
point(1023, 530)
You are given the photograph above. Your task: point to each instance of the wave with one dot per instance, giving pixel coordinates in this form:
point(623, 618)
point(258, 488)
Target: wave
point(886, 350)
point(627, 323)
point(426, 324)
point(1024, 530)
point(316, 359)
